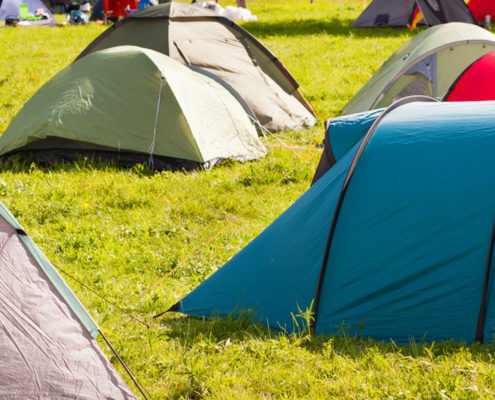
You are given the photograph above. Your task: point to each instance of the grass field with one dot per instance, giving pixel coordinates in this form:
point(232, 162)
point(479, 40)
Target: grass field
point(144, 239)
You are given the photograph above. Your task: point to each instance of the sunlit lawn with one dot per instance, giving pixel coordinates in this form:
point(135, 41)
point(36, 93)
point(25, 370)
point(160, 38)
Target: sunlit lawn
point(122, 231)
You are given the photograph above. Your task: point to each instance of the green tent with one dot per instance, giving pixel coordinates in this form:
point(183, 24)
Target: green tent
point(130, 105)
point(196, 36)
point(427, 64)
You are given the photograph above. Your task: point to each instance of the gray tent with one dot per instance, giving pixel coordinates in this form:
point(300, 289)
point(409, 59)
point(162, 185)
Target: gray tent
point(196, 36)
point(397, 13)
point(47, 339)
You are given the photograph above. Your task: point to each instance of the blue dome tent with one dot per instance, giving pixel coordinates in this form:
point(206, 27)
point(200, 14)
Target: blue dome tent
point(393, 242)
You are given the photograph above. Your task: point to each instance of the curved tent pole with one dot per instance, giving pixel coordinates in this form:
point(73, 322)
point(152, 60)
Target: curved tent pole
point(343, 191)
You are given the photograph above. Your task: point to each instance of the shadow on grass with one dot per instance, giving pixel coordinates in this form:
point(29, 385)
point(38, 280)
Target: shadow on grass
point(312, 26)
point(26, 165)
point(190, 331)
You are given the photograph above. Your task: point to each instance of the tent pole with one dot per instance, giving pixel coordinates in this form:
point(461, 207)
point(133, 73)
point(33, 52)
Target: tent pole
point(343, 191)
point(480, 327)
point(127, 369)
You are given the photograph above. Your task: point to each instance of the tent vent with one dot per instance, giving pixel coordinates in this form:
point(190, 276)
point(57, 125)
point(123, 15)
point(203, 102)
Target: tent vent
point(21, 232)
point(381, 19)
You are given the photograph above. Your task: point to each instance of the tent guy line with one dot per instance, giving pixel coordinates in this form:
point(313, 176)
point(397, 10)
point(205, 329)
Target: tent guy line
point(112, 303)
point(304, 158)
point(22, 232)
point(138, 384)
point(60, 356)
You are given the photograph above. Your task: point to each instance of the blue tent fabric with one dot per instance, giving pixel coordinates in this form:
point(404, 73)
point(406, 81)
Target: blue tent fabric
point(409, 252)
point(265, 276)
point(340, 135)
point(344, 132)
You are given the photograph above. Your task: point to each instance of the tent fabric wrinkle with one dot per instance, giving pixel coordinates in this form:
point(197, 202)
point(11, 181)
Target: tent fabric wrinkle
point(51, 273)
point(167, 109)
point(196, 36)
point(46, 349)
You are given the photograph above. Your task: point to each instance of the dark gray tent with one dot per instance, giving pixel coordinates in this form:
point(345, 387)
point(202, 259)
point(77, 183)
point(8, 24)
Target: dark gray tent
point(397, 13)
point(196, 36)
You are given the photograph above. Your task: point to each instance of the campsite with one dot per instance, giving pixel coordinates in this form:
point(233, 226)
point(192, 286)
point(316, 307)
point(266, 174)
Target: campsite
point(131, 242)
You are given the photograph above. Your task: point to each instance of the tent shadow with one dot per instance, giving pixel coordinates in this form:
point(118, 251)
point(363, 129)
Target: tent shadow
point(191, 331)
point(312, 26)
point(22, 166)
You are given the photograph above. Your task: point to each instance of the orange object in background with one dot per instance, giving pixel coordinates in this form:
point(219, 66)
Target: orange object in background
point(416, 18)
point(116, 9)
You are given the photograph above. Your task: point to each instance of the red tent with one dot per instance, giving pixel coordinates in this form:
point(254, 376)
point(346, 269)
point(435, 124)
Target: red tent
point(116, 9)
point(476, 83)
point(481, 8)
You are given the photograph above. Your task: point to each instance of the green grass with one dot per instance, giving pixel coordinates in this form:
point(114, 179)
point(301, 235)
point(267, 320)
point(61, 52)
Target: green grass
point(120, 231)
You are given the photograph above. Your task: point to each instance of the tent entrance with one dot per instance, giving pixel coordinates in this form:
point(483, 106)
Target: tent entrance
point(433, 74)
point(420, 79)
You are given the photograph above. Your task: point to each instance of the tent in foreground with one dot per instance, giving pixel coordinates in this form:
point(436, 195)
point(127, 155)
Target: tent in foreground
point(47, 339)
point(398, 13)
point(428, 64)
point(394, 242)
point(131, 105)
point(196, 36)
point(12, 8)
point(476, 83)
